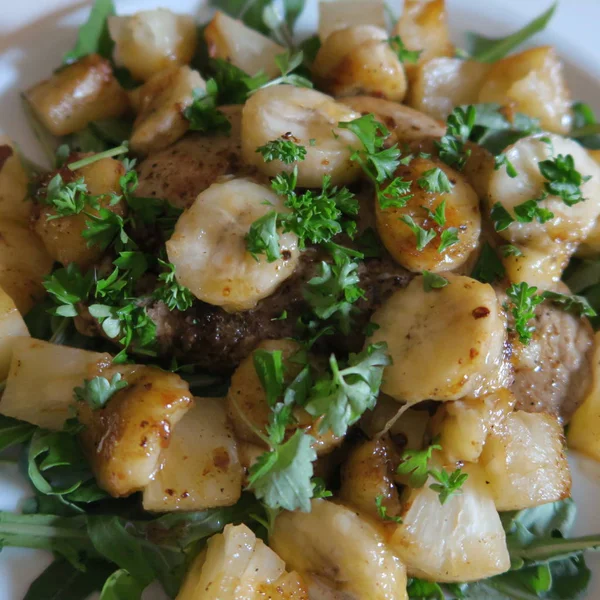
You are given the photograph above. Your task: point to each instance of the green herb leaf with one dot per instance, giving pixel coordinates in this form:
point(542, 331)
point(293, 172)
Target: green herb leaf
point(524, 299)
point(121, 586)
point(343, 395)
point(170, 291)
point(93, 36)
point(459, 126)
point(268, 365)
point(586, 129)
point(98, 391)
point(448, 484)
point(501, 160)
point(510, 250)
point(67, 287)
point(435, 181)
point(575, 304)
point(281, 478)
point(489, 267)
point(490, 50)
point(66, 199)
point(203, 114)
point(418, 589)
point(563, 179)
point(415, 464)
point(530, 210)
point(433, 281)
point(448, 238)
point(424, 236)
point(262, 238)
point(13, 432)
point(404, 54)
point(501, 218)
point(382, 511)
point(282, 149)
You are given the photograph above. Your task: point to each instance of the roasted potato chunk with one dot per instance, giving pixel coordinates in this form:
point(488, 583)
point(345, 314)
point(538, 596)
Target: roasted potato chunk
point(533, 83)
point(41, 380)
point(159, 105)
point(12, 328)
point(152, 40)
point(245, 48)
point(78, 94)
point(13, 183)
point(124, 439)
point(62, 236)
point(200, 468)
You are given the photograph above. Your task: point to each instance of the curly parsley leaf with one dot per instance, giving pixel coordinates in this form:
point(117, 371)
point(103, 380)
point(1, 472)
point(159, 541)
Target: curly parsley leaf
point(577, 305)
point(106, 227)
point(435, 181)
point(530, 210)
point(448, 238)
point(415, 464)
point(423, 236)
point(489, 267)
point(66, 199)
point(524, 300)
point(282, 477)
point(170, 291)
point(68, 286)
point(563, 179)
point(98, 391)
point(501, 218)
point(203, 114)
point(382, 511)
point(510, 250)
point(285, 150)
point(502, 160)
point(343, 395)
point(433, 281)
point(447, 484)
point(452, 147)
point(262, 238)
point(404, 54)
point(233, 84)
point(288, 62)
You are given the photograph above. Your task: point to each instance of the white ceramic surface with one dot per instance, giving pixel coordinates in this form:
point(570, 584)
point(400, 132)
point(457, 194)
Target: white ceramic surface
point(34, 34)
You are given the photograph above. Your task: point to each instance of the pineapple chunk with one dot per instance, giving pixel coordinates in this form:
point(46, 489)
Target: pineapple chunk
point(424, 26)
point(584, 429)
point(124, 440)
point(13, 183)
point(230, 40)
point(238, 566)
point(336, 546)
point(200, 468)
point(78, 94)
point(533, 83)
point(366, 475)
point(152, 40)
point(461, 540)
point(339, 14)
point(63, 237)
point(41, 380)
point(159, 105)
point(440, 84)
point(23, 264)
point(463, 425)
point(12, 327)
point(525, 462)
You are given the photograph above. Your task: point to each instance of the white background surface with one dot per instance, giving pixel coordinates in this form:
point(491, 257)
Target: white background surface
point(34, 34)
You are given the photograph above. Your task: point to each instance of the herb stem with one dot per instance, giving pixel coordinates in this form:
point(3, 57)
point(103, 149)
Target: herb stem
point(88, 160)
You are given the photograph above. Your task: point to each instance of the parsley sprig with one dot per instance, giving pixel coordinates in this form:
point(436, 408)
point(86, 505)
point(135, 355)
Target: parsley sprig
point(404, 54)
point(170, 291)
point(203, 114)
point(283, 149)
point(382, 511)
point(452, 147)
point(98, 391)
point(524, 299)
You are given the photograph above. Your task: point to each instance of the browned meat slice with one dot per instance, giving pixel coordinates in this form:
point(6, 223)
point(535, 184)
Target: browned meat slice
point(179, 173)
point(553, 373)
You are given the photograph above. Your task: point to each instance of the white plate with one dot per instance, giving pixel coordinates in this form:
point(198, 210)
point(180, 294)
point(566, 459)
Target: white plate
point(34, 34)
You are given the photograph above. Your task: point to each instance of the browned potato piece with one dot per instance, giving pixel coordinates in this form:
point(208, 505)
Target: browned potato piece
point(159, 105)
point(366, 475)
point(13, 183)
point(124, 440)
point(152, 40)
point(247, 49)
point(462, 213)
point(247, 402)
point(23, 264)
point(405, 124)
point(359, 60)
point(62, 236)
point(440, 84)
point(424, 26)
point(12, 328)
point(78, 94)
point(533, 82)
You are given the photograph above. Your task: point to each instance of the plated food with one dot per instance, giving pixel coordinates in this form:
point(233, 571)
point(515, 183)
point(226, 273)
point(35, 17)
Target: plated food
point(301, 320)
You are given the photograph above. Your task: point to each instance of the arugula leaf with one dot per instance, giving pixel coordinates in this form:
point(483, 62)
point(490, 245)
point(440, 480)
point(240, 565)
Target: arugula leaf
point(98, 391)
point(433, 281)
point(93, 36)
point(415, 464)
point(203, 114)
point(490, 50)
point(13, 432)
point(262, 237)
point(382, 510)
point(524, 299)
point(121, 586)
point(281, 478)
point(268, 365)
point(424, 236)
point(334, 292)
point(170, 291)
point(285, 150)
point(62, 580)
point(404, 54)
point(343, 395)
point(575, 304)
point(489, 267)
